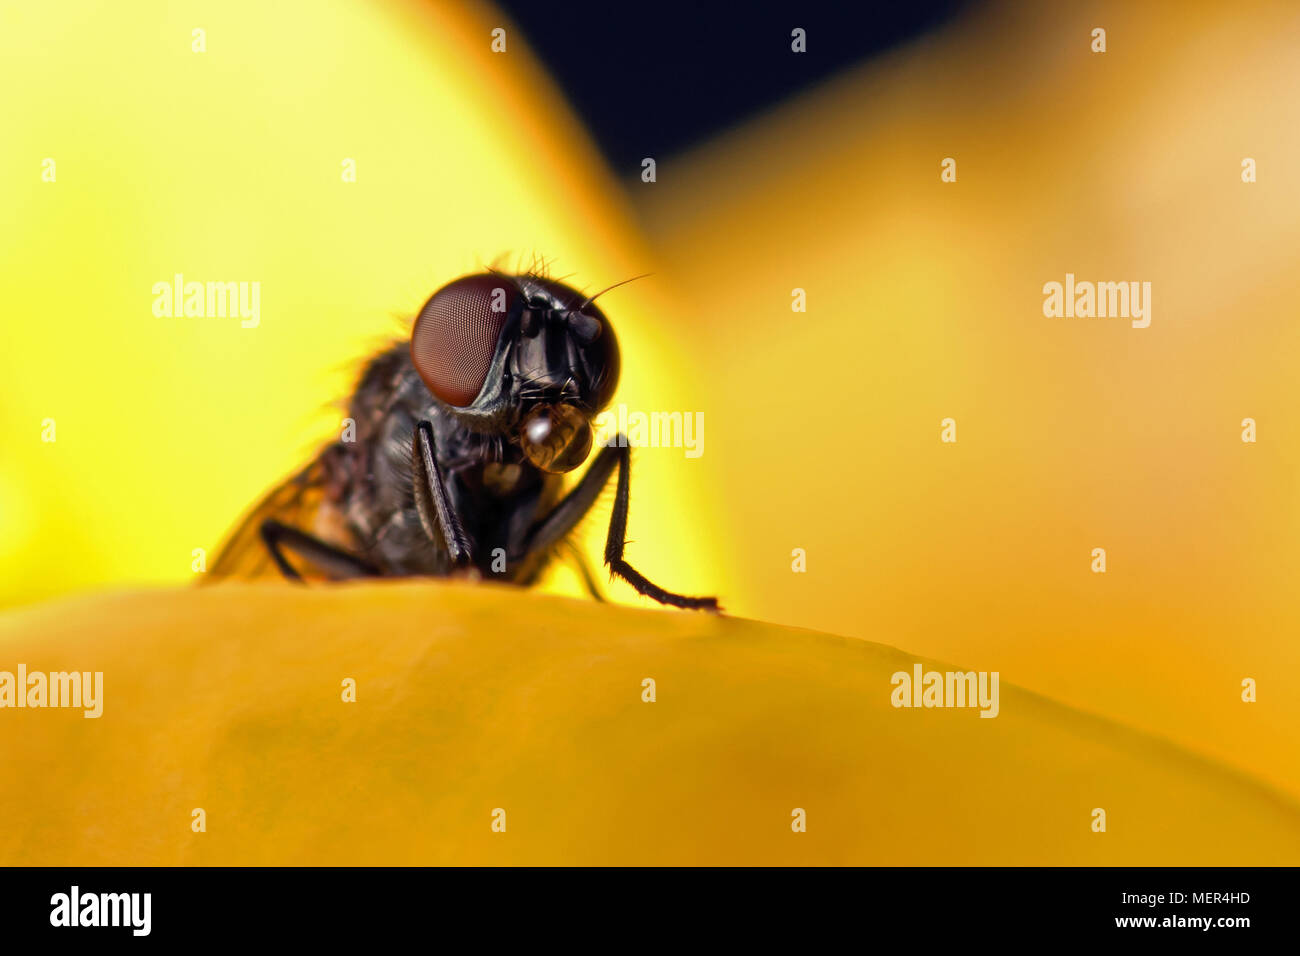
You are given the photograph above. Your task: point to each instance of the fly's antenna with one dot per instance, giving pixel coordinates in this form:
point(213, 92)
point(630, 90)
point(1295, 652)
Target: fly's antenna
point(593, 298)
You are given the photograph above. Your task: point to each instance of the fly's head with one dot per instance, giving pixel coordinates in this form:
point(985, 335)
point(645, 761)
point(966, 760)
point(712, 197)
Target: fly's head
point(524, 357)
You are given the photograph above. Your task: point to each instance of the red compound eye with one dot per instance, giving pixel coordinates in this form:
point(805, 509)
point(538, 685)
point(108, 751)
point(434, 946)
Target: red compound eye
point(456, 335)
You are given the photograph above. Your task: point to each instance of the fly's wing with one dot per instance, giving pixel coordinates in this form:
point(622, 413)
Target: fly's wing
point(300, 502)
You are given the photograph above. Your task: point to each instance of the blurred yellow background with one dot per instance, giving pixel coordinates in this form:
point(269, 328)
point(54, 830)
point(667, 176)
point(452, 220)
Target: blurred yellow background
point(925, 302)
point(822, 428)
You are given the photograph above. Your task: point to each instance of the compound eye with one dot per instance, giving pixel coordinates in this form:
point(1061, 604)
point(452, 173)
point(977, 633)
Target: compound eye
point(456, 335)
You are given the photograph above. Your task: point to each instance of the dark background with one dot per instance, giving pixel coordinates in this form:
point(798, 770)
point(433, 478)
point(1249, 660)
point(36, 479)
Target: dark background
point(651, 79)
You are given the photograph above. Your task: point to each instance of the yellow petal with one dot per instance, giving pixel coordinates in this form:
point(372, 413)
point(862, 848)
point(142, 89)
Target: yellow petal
point(476, 699)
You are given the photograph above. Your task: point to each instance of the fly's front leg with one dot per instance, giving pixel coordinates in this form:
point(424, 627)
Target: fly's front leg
point(616, 541)
point(439, 518)
point(576, 504)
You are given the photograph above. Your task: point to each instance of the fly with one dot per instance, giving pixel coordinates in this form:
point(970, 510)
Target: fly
point(462, 436)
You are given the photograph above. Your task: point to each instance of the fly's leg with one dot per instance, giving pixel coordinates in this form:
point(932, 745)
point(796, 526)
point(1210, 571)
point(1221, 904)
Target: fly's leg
point(440, 521)
point(337, 562)
point(615, 541)
point(584, 569)
point(576, 504)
